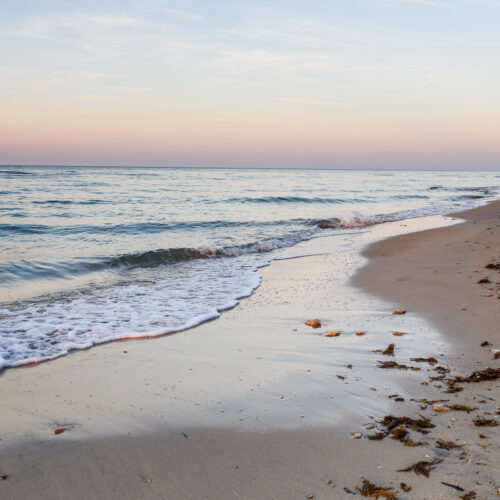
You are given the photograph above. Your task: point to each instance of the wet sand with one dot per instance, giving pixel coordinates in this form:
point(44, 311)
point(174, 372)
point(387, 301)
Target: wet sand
point(256, 404)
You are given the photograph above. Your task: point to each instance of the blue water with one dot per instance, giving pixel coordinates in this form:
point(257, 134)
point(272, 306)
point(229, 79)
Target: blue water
point(88, 255)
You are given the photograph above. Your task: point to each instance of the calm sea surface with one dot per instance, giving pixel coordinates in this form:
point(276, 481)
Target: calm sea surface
point(89, 255)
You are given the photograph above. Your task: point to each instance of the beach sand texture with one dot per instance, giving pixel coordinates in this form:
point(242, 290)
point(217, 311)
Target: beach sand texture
point(259, 405)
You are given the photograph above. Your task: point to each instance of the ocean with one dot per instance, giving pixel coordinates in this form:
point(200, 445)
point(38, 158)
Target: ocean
point(89, 255)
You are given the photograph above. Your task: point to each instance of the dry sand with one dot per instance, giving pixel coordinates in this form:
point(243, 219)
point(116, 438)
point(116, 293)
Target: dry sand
point(251, 405)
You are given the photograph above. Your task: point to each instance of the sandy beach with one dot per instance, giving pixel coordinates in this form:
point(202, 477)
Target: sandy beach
point(258, 405)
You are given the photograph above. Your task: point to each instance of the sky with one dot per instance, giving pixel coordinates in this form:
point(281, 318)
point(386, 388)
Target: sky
point(402, 84)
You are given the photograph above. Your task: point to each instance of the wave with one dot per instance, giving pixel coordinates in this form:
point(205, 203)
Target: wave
point(69, 202)
point(144, 227)
point(16, 172)
point(290, 199)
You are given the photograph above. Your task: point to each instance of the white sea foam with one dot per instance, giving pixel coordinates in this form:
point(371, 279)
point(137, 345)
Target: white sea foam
point(47, 329)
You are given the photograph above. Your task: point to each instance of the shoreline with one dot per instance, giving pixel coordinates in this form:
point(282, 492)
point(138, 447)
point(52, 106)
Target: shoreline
point(274, 453)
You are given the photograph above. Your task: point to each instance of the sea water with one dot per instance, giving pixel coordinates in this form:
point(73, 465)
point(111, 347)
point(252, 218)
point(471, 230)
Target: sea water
point(89, 255)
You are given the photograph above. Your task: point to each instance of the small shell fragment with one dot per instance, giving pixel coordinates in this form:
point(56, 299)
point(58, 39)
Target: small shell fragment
point(440, 408)
point(332, 334)
point(313, 323)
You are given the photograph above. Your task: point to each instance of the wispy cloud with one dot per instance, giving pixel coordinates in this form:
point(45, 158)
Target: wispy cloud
point(51, 26)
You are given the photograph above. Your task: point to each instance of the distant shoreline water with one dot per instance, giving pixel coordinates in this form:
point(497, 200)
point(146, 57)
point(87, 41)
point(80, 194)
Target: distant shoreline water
point(94, 254)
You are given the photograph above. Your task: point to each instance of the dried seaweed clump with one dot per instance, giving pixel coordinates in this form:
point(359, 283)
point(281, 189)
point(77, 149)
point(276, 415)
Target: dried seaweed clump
point(447, 445)
point(485, 422)
point(493, 266)
point(431, 360)
point(405, 487)
point(393, 364)
point(422, 468)
point(471, 495)
point(389, 350)
point(416, 424)
point(466, 408)
point(480, 376)
point(372, 491)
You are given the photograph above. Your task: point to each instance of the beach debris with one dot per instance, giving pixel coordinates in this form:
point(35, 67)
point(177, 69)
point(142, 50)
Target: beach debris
point(377, 436)
point(440, 408)
point(398, 334)
point(423, 467)
point(360, 333)
point(483, 280)
point(332, 334)
point(471, 495)
point(398, 312)
point(493, 266)
point(459, 407)
point(389, 350)
point(358, 435)
point(431, 360)
point(455, 486)
point(415, 424)
point(372, 491)
point(405, 487)
point(348, 491)
point(447, 445)
point(486, 344)
point(185, 435)
point(393, 364)
point(485, 422)
point(480, 376)
point(429, 402)
point(313, 323)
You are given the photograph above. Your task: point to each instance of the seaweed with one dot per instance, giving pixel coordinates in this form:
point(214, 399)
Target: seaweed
point(483, 281)
point(377, 436)
point(493, 266)
point(447, 445)
point(405, 487)
point(393, 364)
point(398, 312)
point(389, 350)
point(423, 467)
point(485, 422)
point(458, 407)
point(469, 495)
point(399, 433)
point(481, 376)
point(415, 424)
point(486, 344)
point(372, 491)
point(430, 401)
point(431, 360)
